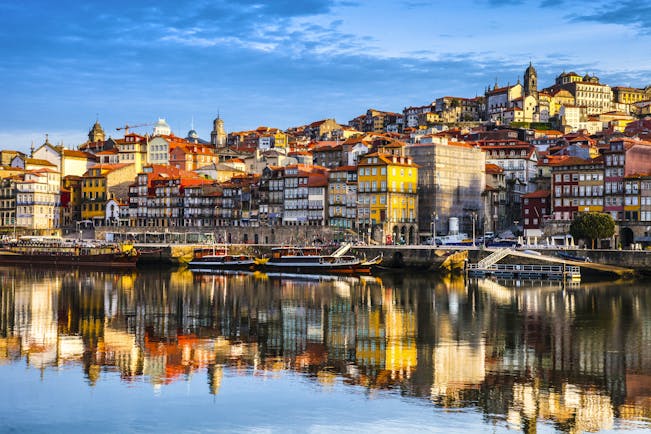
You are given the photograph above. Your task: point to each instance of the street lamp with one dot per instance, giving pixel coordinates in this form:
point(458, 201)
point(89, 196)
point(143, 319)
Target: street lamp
point(473, 215)
point(433, 227)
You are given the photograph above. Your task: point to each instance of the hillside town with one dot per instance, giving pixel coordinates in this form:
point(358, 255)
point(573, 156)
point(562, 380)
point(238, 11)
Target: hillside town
point(521, 159)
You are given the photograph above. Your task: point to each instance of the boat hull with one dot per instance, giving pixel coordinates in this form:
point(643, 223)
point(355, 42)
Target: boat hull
point(313, 268)
point(222, 265)
point(95, 261)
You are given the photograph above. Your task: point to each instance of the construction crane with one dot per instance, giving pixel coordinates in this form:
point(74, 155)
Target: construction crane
point(127, 126)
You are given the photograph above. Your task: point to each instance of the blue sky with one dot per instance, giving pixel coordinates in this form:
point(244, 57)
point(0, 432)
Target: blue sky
point(288, 62)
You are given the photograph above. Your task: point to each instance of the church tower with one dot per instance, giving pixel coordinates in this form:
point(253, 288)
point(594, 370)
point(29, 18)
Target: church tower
point(96, 134)
point(218, 134)
point(531, 81)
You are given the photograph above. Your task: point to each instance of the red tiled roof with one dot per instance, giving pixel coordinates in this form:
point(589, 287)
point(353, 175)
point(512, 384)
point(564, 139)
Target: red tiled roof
point(537, 194)
point(493, 169)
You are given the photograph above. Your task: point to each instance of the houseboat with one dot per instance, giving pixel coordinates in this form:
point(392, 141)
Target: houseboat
point(218, 258)
point(312, 260)
point(56, 251)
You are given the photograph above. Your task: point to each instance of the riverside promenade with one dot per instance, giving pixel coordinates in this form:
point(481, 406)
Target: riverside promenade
point(603, 263)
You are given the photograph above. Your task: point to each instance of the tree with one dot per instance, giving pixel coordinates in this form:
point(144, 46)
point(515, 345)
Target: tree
point(591, 226)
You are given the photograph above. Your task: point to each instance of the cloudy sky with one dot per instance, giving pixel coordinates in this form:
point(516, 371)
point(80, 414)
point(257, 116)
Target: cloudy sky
point(288, 62)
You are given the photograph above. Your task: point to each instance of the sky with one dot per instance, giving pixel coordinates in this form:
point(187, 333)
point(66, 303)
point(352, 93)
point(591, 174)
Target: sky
point(285, 63)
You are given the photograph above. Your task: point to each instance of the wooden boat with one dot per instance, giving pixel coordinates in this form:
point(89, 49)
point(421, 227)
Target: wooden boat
point(369, 265)
point(291, 259)
point(56, 251)
point(218, 258)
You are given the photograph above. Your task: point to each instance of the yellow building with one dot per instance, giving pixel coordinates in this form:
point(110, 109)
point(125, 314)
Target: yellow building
point(93, 194)
point(101, 183)
point(387, 198)
point(559, 99)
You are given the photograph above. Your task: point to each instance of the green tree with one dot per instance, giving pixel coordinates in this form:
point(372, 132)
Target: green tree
point(592, 226)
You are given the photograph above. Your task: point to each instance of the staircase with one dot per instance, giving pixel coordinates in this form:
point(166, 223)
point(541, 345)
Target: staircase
point(493, 258)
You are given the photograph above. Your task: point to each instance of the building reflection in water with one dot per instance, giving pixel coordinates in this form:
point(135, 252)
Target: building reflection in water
point(578, 358)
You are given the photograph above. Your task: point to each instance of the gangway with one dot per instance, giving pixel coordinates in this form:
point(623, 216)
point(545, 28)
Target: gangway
point(494, 257)
point(342, 250)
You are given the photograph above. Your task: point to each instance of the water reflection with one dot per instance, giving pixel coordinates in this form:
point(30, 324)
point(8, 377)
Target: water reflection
point(578, 358)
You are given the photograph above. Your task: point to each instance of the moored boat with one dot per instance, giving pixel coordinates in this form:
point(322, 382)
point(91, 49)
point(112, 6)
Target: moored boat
point(292, 259)
point(217, 258)
point(56, 251)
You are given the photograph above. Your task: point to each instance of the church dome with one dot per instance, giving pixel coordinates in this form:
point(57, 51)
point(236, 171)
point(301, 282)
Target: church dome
point(192, 134)
point(161, 128)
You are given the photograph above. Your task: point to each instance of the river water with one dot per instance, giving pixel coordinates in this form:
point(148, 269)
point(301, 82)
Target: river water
point(172, 351)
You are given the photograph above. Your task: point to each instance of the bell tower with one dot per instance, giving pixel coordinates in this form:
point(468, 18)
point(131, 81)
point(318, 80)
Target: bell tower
point(96, 134)
point(218, 133)
point(531, 81)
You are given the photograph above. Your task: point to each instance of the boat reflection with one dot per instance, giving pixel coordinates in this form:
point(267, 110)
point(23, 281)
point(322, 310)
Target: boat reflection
point(577, 358)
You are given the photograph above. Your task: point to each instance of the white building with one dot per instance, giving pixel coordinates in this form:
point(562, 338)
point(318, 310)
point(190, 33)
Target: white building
point(38, 200)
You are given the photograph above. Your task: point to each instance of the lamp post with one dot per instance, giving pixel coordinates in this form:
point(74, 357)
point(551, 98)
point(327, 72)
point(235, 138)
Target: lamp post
point(433, 227)
point(473, 215)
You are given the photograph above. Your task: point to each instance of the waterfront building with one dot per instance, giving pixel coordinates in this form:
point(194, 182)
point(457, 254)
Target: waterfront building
point(387, 197)
point(8, 203)
point(38, 200)
point(71, 200)
point(342, 198)
point(577, 186)
point(164, 207)
point(271, 195)
point(624, 158)
point(495, 200)
point(645, 203)
point(200, 200)
point(101, 183)
point(536, 207)
point(240, 201)
point(451, 180)
point(157, 203)
point(519, 161)
point(304, 195)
